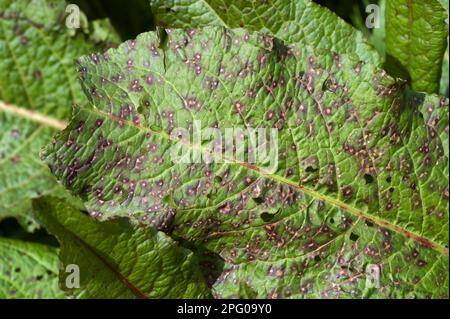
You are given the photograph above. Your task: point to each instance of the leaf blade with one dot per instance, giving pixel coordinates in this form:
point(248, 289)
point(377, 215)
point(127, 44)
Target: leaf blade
point(117, 260)
point(38, 86)
point(291, 21)
point(408, 23)
point(327, 179)
point(28, 270)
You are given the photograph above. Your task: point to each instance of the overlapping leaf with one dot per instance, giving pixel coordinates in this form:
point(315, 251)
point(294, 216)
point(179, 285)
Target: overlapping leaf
point(416, 39)
point(28, 270)
point(362, 167)
point(38, 87)
point(301, 21)
point(117, 260)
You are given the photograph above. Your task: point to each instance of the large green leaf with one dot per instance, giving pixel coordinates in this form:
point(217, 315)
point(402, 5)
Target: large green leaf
point(37, 89)
point(416, 39)
point(117, 260)
point(361, 175)
point(289, 20)
point(28, 270)
point(444, 83)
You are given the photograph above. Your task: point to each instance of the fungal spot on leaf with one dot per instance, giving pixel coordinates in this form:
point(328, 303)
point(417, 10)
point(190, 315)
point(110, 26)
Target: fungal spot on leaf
point(347, 191)
point(98, 122)
point(136, 86)
point(421, 263)
point(388, 205)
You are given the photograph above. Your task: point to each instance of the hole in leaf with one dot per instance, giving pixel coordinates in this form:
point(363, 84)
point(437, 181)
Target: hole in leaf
point(369, 223)
point(310, 169)
point(218, 179)
point(389, 179)
point(368, 178)
point(17, 269)
point(391, 189)
point(317, 258)
point(353, 237)
point(258, 200)
point(212, 193)
point(332, 220)
point(267, 216)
